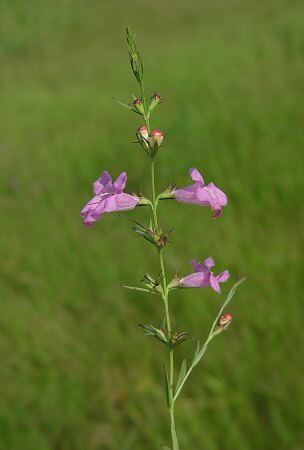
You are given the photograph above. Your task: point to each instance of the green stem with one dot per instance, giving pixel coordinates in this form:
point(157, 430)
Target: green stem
point(167, 316)
point(154, 203)
point(164, 285)
point(147, 115)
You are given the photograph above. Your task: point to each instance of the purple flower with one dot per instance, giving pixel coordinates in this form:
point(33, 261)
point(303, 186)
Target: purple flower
point(203, 277)
point(199, 194)
point(108, 197)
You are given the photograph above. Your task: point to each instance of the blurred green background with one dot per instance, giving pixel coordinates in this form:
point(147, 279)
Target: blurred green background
point(76, 371)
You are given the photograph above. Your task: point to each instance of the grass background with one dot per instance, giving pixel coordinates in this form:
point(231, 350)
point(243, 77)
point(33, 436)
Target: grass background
point(76, 372)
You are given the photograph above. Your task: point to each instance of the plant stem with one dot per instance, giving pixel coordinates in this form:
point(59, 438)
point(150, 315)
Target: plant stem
point(147, 115)
point(164, 284)
point(167, 316)
point(154, 204)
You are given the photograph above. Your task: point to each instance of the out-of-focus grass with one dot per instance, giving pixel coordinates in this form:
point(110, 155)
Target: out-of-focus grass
point(77, 373)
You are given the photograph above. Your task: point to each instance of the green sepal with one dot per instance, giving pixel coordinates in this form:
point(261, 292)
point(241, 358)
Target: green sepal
point(143, 232)
point(143, 142)
point(174, 283)
point(153, 285)
point(166, 195)
point(143, 201)
point(156, 332)
point(154, 150)
point(153, 104)
point(178, 338)
point(158, 239)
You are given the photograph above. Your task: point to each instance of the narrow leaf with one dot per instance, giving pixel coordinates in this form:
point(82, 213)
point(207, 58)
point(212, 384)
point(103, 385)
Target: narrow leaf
point(233, 289)
point(196, 352)
point(134, 288)
point(122, 104)
point(167, 387)
point(181, 374)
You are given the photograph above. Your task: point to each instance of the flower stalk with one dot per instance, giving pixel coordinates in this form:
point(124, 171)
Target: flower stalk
point(165, 292)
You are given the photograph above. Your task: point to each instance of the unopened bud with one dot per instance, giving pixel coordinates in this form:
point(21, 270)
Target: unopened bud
point(143, 131)
point(156, 97)
point(155, 100)
point(156, 137)
point(223, 323)
point(138, 106)
point(224, 320)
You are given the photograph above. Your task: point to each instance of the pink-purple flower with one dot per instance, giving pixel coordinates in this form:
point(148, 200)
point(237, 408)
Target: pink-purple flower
point(108, 197)
point(203, 277)
point(201, 194)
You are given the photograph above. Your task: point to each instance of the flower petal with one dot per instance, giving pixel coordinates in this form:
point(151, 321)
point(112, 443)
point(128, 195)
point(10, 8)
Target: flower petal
point(198, 279)
point(188, 194)
point(196, 265)
point(223, 276)
point(214, 283)
point(126, 202)
point(109, 205)
point(196, 176)
point(217, 194)
point(204, 197)
point(217, 213)
point(92, 204)
point(208, 263)
point(120, 183)
point(89, 221)
point(102, 183)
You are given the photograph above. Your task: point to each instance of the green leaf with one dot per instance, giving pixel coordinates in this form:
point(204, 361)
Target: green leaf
point(233, 289)
point(134, 288)
point(122, 104)
point(164, 447)
point(182, 374)
point(196, 352)
point(167, 386)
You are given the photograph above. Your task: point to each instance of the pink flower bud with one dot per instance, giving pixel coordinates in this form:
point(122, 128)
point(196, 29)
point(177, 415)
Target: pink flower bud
point(223, 323)
point(156, 97)
point(138, 106)
point(143, 131)
point(155, 100)
point(156, 136)
point(225, 320)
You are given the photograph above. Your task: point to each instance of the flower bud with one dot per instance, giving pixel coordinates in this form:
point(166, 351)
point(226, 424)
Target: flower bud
point(156, 97)
point(143, 131)
point(155, 100)
point(155, 137)
point(142, 137)
point(138, 106)
point(223, 323)
point(225, 320)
